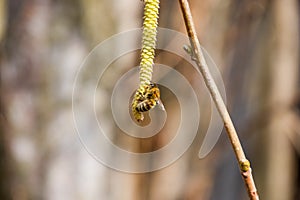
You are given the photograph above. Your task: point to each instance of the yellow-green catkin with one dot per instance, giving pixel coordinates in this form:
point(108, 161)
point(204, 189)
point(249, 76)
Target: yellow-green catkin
point(150, 23)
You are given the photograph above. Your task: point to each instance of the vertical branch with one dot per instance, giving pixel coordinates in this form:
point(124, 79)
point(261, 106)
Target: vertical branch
point(244, 164)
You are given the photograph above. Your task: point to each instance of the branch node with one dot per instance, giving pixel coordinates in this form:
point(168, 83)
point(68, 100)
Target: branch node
point(244, 165)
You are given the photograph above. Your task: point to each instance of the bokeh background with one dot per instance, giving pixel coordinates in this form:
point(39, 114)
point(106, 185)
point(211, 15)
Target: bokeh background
point(255, 44)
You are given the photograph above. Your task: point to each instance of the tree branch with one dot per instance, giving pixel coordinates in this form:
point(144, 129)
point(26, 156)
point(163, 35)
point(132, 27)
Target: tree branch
point(244, 164)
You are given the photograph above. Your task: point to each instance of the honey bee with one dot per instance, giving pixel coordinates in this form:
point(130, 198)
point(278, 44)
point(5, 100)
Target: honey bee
point(146, 98)
point(152, 98)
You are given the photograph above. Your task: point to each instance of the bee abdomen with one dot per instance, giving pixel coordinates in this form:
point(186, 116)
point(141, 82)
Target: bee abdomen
point(145, 106)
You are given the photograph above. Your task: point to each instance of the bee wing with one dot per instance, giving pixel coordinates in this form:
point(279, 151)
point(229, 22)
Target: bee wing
point(160, 104)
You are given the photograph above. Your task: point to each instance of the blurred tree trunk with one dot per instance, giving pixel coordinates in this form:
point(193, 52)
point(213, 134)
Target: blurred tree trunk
point(6, 163)
point(6, 166)
point(26, 84)
point(279, 78)
point(262, 57)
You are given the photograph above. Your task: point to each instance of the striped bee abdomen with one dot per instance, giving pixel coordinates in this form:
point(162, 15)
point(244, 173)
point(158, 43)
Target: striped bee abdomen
point(146, 105)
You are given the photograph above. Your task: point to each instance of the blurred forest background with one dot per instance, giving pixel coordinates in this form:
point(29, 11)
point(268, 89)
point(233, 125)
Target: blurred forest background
point(43, 42)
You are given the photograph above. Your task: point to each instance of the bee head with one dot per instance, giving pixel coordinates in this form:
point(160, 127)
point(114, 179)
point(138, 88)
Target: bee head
point(153, 85)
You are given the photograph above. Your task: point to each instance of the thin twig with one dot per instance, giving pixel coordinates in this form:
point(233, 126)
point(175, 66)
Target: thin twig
point(244, 164)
